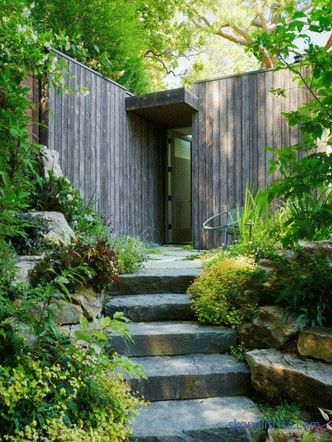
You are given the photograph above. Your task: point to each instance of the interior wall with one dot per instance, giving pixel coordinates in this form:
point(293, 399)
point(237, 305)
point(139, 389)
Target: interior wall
point(113, 158)
point(238, 117)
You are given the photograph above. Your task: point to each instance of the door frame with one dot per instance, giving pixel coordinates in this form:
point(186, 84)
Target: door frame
point(171, 135)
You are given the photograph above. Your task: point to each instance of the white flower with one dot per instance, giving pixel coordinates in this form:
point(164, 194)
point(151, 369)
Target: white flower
point(22, 29)
point(34, 36)
point(70, 197)
point(26, 13)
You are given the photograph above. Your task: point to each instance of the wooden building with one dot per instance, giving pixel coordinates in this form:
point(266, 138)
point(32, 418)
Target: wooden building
point(158, 165)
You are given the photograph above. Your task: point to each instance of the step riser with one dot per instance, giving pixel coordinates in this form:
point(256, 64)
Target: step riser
point(207, 435)
point(193, 386)
point(170, 345)
point(140, 284)
point(160, 313)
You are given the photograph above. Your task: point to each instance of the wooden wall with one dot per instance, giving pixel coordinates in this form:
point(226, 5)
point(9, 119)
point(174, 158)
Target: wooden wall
point(111, 157)
point(117, 158)
point(238, 117)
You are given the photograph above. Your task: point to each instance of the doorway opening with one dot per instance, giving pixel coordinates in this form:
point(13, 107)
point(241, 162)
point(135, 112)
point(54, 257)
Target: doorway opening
point(179, 186)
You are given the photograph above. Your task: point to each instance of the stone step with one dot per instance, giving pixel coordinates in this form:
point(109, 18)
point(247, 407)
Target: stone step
point(278, 375)
point(191, 377)
point(156, 307)
point(173, 338)
point(158, 278)
point(227, 419)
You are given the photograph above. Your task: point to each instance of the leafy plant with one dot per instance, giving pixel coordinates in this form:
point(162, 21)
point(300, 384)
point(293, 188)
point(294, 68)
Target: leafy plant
point(238, 351)
point(58, 194)
point(77, 264)
point(304, 183)
point(130, 253)
point(280, 414)
point(227, 292)
point(58, 390)
point(28, 240)
point(302, 285)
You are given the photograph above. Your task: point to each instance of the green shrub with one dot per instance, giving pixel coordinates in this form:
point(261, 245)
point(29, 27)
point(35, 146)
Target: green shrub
point(130, 253)
point(77, 264)
point(303, 285)
point(57, 390)
point(29, 240)
point(57, 194)
point(227, 292)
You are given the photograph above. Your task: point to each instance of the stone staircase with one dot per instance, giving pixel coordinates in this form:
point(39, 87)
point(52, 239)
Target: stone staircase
point(196, 391)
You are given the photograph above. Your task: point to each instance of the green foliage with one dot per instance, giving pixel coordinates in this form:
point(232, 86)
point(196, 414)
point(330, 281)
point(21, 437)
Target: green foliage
point(227, 292)
point(77, 264)
point(58, 194)
point(303, 285)
point(305, 183)
point(239, 351)
point(23, 52)
point(130, 253)
point(56, 389)
point(280, 414)
point(27, 238)
point(107, 36)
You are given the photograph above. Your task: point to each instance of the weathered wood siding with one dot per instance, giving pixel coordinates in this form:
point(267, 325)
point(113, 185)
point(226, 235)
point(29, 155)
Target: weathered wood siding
point(238, 117)
point(113, 158)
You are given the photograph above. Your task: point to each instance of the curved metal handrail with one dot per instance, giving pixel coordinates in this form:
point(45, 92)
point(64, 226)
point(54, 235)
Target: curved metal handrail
point(206, 227)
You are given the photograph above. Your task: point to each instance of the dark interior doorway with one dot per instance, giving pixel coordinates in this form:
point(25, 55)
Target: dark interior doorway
point(179, 186)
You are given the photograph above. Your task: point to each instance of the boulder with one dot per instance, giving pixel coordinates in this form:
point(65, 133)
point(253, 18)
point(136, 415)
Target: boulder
point(89, 300)
point(318, 247)
point(277, 375)
point(24, 266)
point(269, 329)
point(50, 160)
point(316, 343)
point(58, 228)
point(65, 313)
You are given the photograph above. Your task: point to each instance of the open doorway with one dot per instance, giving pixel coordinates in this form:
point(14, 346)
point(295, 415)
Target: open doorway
point(179, 199)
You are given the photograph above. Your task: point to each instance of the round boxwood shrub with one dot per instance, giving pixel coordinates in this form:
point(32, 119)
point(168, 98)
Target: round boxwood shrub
point(227, 292)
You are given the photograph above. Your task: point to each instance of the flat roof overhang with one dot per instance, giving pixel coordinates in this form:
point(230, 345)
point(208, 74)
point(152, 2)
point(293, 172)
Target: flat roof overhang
point(173, 108)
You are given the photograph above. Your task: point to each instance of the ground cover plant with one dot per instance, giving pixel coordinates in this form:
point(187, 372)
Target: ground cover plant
point(227, 292)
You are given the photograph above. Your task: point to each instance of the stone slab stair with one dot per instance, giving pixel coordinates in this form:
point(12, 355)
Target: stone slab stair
point(196, 391)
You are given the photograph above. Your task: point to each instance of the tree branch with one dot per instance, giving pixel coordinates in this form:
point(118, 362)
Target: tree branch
point(157, 57)
point(329, 43)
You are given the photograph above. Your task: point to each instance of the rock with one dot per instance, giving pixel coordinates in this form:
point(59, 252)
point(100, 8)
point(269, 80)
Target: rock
point(65, 313)
point(269, 329)
point(58, 228)
point(90, 301)
point(50, 160)
point(278, 375)
point(25, 330)
point(24, 266)
point(316, 343)
point(319, 247)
